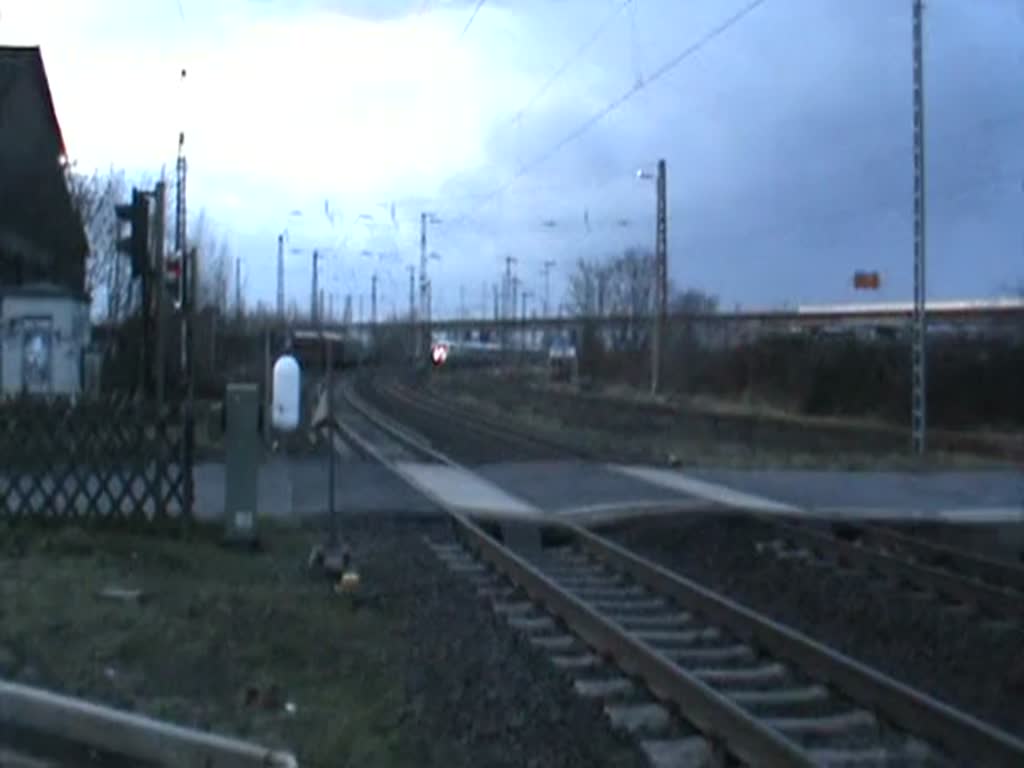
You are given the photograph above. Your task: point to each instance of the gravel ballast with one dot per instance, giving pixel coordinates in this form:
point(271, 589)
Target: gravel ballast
point(971, 664)
point(481, 696)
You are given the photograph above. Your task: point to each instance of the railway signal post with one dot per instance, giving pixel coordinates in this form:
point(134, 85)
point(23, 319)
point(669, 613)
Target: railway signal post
point(660, 304)
point(918, 415)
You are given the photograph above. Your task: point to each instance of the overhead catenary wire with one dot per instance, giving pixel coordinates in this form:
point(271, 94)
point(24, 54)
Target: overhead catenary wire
point(564, 67)
point(472, 16)
point(613, 105)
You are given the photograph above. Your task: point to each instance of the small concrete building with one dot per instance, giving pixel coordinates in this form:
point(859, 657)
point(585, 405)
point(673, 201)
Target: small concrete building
point(44, 309)
point(45, 334)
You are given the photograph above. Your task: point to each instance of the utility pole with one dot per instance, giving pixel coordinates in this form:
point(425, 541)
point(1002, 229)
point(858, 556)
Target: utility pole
point(373, 299)
point(509, 261)
point(360, 319)
point(547, 286)
point(425, 217)
point(919, 412)
point(189, 283)
point(515, 295)
point(430, 298)
point(423, 263)
point(238, 287)
point(280, 277)
point(412, 311)
point(522, 339)
point(497, 306)
point(180, 221)
point(159, 240)
point(188, 271)
point(661, 279)
point(187, 292)
point(314, 312)
point(412, 293)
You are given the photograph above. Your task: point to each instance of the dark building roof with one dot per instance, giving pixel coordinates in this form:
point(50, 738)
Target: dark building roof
point(41, 233)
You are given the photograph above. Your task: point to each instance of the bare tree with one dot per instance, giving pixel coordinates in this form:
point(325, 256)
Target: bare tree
point(582, 291)
point(621, 285)
point(693, 301)
point(630, 283)
point(108, 276)
point(214, 266)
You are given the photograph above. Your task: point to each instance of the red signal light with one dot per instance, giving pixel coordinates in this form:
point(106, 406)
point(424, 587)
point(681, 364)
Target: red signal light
point(439, 354)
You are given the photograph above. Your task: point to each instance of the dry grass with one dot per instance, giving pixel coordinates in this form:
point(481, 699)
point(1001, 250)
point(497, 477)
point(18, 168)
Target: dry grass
point(537, 415)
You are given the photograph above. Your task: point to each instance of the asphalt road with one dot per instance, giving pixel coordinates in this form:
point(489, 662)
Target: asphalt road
point(298, 486)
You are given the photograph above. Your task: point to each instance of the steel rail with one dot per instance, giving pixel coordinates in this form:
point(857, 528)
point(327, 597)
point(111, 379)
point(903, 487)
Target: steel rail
point(995, 572)
point(484, 423)
point(906, 707)
point(990, 598)
point(713, 714)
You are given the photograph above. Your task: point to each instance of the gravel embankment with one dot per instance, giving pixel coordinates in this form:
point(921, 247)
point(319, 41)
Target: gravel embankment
point(420, 673)
point(969, 663)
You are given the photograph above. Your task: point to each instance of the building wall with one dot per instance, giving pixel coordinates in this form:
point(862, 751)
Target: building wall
point(68, 321)
point(41, 235)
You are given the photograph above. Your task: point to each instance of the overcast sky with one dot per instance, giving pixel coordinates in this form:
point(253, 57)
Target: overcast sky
point(787, 137)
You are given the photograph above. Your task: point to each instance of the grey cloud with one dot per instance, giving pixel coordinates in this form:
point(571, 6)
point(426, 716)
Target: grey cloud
point(378, 10)
point(785, 178)
point(788, 143)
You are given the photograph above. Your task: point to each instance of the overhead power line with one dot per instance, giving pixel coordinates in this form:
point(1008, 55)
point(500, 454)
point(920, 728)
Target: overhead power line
point(594, 37)
point(469, 23)
point(658, 73)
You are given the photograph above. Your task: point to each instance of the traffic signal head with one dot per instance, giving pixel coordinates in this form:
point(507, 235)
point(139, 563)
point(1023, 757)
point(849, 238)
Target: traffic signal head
point(173, 277)
point(136, 242)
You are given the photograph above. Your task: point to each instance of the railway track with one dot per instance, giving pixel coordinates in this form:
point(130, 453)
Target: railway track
point(513, 440)
point(694, 675)
point(993, 588)
point(959, 579)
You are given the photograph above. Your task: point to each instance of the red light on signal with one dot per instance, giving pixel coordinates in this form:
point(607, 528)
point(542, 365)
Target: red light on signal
point(439, 354)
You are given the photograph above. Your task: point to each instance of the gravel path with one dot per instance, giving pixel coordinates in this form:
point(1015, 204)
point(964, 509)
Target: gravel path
point(970, 664)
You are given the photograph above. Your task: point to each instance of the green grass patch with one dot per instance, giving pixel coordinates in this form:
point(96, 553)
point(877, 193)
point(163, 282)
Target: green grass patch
point(213, 627)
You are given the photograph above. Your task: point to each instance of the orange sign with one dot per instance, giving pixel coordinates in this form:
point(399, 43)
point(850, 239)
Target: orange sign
point(866, 281)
